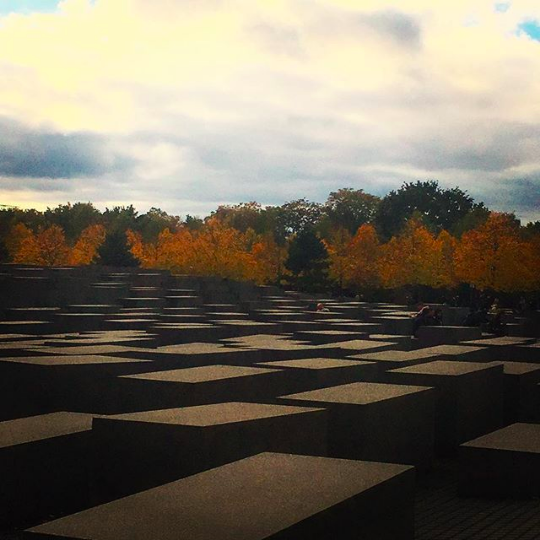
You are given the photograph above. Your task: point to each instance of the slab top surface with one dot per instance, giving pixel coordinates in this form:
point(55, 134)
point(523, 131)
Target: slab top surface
point(445, 368)
point(316, 363)
point(88, 349)
point(517, 438)
point(358, 393)
point(517, 368)
point(359, 344)
point(211, 415)
point(82, 360)
point(194, 348)
point(201, 374)
point(222, 503)
point(45, 426)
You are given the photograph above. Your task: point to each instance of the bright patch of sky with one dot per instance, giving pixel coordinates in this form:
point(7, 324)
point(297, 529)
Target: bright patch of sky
point(531, 28)
point(27, 6)
point(502, 7)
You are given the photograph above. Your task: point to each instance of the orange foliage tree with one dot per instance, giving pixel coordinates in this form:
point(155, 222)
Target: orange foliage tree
point(21, 244)
point(495, 256)
point(85, 248)
point(269, 258)
point(47, 248)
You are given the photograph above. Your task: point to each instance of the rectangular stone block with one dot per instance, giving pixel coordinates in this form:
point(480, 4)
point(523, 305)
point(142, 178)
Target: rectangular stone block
point(266, 497)
point(141, 450)
point(44, 467)
point(450, 335)
point(521, 380)
point(384, 422)
point(195, 386)
point(311, 373)
point(505, 463)
point(469, 398)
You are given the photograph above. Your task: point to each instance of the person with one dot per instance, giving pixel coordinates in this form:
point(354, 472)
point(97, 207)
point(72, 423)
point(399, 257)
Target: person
point(320, 307)
point(495, 324)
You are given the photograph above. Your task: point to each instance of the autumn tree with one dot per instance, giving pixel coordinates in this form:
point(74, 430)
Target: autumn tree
point(410, 258)
point(47, 248)
point(85, 249)
point(22, 245)
point(364, 254)
point(221, 251)
point(338, 248)
point(73, 218)
point(269, 258)
point(495, 256)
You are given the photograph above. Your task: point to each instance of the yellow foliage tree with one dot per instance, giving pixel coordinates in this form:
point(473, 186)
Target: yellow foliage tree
point(269, 258)
point(338, 247)
point(445, 271)
point(364, 254)
point(220, 250)
point(410, 258)
point(494, 256)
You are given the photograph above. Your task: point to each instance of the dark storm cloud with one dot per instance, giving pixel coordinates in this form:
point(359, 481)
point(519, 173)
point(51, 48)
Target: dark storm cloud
point(42, 153)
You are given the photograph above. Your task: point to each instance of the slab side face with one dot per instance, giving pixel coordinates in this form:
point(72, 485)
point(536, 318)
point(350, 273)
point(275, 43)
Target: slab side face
point(250, 499)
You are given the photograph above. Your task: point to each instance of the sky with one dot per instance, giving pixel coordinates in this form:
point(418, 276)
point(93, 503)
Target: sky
point(188, 104)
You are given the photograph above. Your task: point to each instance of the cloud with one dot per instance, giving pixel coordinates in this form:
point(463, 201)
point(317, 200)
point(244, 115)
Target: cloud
point(48, 154)
point(185, 104)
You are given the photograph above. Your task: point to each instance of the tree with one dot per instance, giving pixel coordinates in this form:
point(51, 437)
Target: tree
point(269, 259)
point(193, 223)
point(350, 208)
point(363, 272)
point(73, 219)
point(47, 248)
point(85, 249)
point(151, 224)
point(53, 250)
point(495, 256)
point(439, 208)
point(410, 258)
point(242, 216)
point(22, 245)
point(296, 216)
point(120, 218)
point(308, 260)
point(338, 247)
point(445, 269)
point(114, 251)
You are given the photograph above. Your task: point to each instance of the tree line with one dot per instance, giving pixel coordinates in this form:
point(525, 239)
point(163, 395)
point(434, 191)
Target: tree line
point(418, 236)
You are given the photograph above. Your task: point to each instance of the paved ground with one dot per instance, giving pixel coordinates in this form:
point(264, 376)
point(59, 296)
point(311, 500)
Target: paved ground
point(442, 515)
